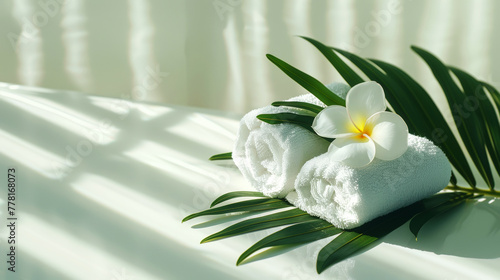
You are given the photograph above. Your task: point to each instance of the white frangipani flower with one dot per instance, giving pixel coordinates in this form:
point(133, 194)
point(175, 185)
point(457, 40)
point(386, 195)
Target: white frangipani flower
point(363, 129)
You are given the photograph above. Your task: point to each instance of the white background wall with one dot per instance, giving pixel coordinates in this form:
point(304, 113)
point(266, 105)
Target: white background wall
point(211, 53)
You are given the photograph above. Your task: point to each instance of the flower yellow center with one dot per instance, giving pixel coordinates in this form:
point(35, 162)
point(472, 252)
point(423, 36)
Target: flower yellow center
point(365, 132)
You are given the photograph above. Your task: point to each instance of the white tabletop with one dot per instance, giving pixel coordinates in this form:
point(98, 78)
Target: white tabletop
point(102, 185)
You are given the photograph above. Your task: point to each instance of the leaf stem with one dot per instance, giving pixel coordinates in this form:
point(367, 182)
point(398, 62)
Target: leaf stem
point(475, 190)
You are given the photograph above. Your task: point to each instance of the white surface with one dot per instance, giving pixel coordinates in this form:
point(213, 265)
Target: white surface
point(113, 210)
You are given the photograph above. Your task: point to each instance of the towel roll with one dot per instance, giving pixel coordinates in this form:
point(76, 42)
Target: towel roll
point(270, 156)
point(349, 197)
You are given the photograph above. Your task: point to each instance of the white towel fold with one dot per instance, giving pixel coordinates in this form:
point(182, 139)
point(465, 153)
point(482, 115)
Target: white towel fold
point(349, 197)
point(340, 89)
point(271, 156)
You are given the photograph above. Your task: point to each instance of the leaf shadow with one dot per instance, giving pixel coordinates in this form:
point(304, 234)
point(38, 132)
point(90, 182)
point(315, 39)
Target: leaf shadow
point(470, 230)
point(225, 219)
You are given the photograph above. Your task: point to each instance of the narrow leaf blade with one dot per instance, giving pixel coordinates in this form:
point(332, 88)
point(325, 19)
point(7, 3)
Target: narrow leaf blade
point(301, 105)
point(263, 204)
point(293, 235)
point(342, 247)
point(222, 156)
point(468, 126)
point(391, 89)
point(308, 82)
point(351, 77)
point(265, 222)
point(302, 120)
point(236, 194)
point(438, 130)
point(484, 111)
point(494, 93)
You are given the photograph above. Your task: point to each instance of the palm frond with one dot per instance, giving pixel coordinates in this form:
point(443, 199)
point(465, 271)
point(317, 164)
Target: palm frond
point(262, 204)
point(479, 130)
point(468, 125)
point(304, 228)
point(441, 133)
point(287, 217)
point(298, 234)
point(484, 110)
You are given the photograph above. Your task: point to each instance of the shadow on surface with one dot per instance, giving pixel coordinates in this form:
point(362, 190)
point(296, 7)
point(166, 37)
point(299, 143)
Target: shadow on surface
point(471, 230)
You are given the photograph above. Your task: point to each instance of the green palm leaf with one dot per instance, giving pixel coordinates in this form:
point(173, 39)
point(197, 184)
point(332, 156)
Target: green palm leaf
point(306, 228)
point(416, 107)
point(345, 71)
point(479, 131)
point(392, 90)
point(301, 105)
point(468, 127)
point(263, 204)
point(223, 156)
point(270, 221)
point(309, 83)
point(441, 135)
point(484, 110)
point(236, 194)
point(343, 247)
point(302, 120)
point(293, 235)
point(494, 93)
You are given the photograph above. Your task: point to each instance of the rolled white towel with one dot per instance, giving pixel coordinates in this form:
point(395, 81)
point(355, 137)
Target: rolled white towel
point(340, 89)
point(270, 156)
point(349, 197)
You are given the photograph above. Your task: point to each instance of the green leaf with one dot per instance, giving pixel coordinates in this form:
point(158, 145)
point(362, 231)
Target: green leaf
point(352, 241)
point(293, 235)
point(222, 156)
point(467, 125)
point(263, 204)
point(236, 194)
point(438, 130)
point(301, 105)
point(453, 180)
point(342, 247)
point(416, 108)
point(494, 93)
point(309, 83)
point(304, 121)
point(488, 192)
point(423, 217)
point(391, 89)
point(484, 110)
point(345, 71)
point(270, 221)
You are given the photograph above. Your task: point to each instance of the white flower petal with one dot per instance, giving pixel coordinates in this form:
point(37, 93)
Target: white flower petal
point(390, 134)
point(364, 100)
point(333, 122)
point(356, 151)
